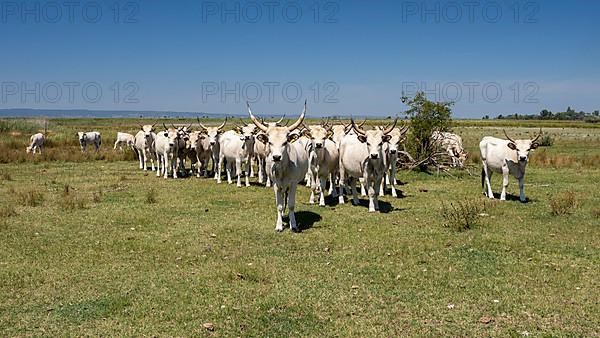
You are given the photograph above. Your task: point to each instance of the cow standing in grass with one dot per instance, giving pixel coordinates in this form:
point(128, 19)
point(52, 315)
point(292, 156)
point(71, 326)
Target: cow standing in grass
point(124, 138)
point(165, 152)
point(287, 163)
point(323, 160)
point(36, 143)
point(390, 149)
point(505, 157)
point(213, 134)
point(89, 137)
point(237, 147)
point(144, 145)
point(362, 155)
point(452, 144)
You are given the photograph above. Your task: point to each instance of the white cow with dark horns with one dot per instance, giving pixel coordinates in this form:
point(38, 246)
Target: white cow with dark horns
point(505, 157)
point(287, 162)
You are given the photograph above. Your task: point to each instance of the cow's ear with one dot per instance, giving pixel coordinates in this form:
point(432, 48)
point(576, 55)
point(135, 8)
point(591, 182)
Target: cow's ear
point(262, 138)
point(386, 138)
point(306, 133)
point(238, 130)
point(512, 146)
point(329, 134)
point(362, 138)
point(292, 137)
point(534, 145)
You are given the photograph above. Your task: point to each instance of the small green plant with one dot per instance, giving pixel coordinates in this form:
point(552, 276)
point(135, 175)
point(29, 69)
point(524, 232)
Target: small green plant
point(150, 196)
point(546, 141)
point(32, 198)
point(564, 204)
point(462, 215)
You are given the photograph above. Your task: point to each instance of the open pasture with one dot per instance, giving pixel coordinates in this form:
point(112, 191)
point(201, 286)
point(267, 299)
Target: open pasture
point(93, 246)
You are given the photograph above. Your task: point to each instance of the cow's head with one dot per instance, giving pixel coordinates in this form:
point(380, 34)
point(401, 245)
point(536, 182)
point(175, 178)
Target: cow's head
point(148, 129)
point(318, 134)
point(277, 138)
point(82, 135)
point(246, 131)
point(396, 137)
point(28, 149)
point(212, 133)
point(522, 147)
point(374, 139)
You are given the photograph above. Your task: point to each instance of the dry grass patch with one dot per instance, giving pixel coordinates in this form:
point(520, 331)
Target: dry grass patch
point(7, 211)
point(564, 204)
point(463, 215)
point(150, 196)
point(31, 198)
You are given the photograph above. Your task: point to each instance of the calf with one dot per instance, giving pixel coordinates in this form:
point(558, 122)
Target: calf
point(89, 137)
point(124, 138)
point(287, 164)
point(36, 142)
point(505, 157)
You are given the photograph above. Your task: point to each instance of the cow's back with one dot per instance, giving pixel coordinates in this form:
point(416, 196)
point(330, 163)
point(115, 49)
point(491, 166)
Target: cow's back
point(352, 155)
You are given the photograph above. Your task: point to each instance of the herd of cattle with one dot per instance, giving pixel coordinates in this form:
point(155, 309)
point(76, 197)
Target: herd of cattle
point(287, 155)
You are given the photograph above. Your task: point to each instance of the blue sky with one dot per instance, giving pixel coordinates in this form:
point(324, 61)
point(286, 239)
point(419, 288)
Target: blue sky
point(346, 57)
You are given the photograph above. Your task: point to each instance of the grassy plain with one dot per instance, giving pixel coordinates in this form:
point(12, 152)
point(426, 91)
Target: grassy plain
point(90, 245)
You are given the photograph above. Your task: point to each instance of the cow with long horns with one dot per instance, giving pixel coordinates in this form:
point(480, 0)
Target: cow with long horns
point(144, 145)
point(287, 163)
point(362, 155)
point(506, 157)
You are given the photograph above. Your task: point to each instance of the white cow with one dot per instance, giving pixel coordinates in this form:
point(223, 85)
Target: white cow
point(213, 134)
point(144, 145)
point(36, 143)
point(237, 146)
point(287, 163)
point(165, 152)
point(390, 149)
point(89, 137)
point(505, 157)
point(124, 138)
point(260, 153)
point(452, 144)
point(362, 155)
point(323, 161)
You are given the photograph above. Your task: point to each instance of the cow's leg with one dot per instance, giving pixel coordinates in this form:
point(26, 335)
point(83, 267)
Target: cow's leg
point(117, 143)
point(488, 176)
point(279, 202)
point(151, 156)
point(218, 166)
point(376, 193)
point(291, 195)
point(249, 168)
point(371, 193)
point(522, 189)
point(393, 178)
point(238, 171)
point(308, 178)
point(323, 183)
point(260, 170)
point(158, 165)
point(341, 184)
point(382, 186)
point(165, 165)
point(144, 158)
point(363, 192)
point(354, 191)
point(504, 182)
point(174, 165)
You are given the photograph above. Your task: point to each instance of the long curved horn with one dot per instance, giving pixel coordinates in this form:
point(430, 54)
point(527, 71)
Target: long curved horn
point(300, 119)
point(281, 119)
point(362, 124)
point(508, 137)
point(165, 127)
point(255, 120)
point(243, 123)
point(390, 128)
point(356, 128)
point(537, 137)
point(222, 124)
point(286, 123)
point(404, 130)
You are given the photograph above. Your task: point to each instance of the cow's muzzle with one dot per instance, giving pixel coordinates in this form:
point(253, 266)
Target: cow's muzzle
point(523, 158)
point(318, 145)
point(374, 156)
point(276, 158)
point(393, 151)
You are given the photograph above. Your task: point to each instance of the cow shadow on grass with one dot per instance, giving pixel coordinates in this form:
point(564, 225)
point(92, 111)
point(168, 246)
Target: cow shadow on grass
point(304, 219)
point(513, 198)
point(384, 207)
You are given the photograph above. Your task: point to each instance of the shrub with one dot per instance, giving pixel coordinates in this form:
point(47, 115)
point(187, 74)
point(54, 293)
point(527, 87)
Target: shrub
point(71, 201)
point(563, 204)
point(32, 198)
point(150, 196)
point(8, 211)
point(546, 141)
point(462, 215)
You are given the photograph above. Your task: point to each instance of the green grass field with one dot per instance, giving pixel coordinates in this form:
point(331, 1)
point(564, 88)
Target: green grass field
point(92, 246)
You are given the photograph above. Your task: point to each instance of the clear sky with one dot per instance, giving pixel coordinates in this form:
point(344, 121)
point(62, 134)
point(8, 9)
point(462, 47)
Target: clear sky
point(346, 57)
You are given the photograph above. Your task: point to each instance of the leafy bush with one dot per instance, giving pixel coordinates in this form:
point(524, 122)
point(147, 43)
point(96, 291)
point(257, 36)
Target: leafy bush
point(546, 141)
point(462, 215)
point(563, 204)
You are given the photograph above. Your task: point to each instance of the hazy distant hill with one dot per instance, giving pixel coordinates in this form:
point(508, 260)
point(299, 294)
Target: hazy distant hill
point(50, 113)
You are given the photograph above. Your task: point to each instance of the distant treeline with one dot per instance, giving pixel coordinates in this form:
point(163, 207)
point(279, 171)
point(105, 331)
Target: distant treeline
point(569, 114)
